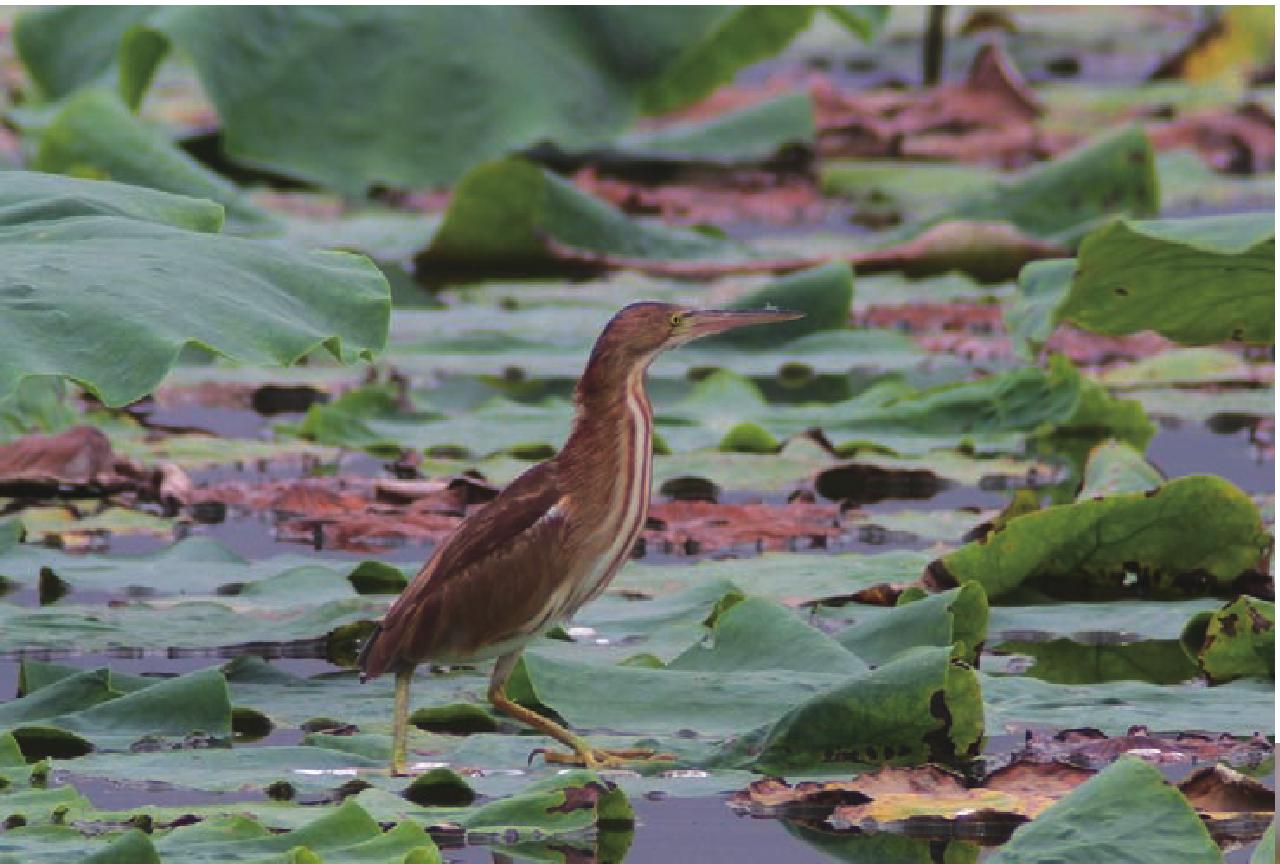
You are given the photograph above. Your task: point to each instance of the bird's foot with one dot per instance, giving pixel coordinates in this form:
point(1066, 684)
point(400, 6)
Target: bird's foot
point(597, 759)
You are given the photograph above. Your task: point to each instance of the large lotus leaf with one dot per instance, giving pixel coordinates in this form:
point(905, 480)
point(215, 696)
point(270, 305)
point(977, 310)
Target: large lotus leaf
point(575, 76)
point(637, 701)
point(1064, 198)
point(988, 412)
point(1197, 281)
point(37, 804)
point(1153, 543)
point(1190, 185)
point(32, 197)
point(1014, 703)
point(1126, 813)
point(1179, 367)
point(83, 708)
point(111, 301)
point(133, 847)
point(957, 618)
point(1066, 661)
point(921, 707)
point(192, 566)
point(502, 214)
point(1202, 406)
point(95, 135)
point(916, 190)
point(35, 675)
point(664, 626)
point(1236, 641)
point(1030, 315)
point(67, 694)
point(754, 133)
point(345, 833)
point(757, 633)
point(791, 579)
point(1116, 621)
point(192, 624)
point(574, 801)
point(1114, 468)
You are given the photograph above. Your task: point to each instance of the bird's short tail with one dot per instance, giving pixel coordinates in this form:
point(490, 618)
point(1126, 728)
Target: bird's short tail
point(365, 659)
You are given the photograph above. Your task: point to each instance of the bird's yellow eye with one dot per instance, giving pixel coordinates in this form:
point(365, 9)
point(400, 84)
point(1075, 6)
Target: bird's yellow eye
point(676, 319)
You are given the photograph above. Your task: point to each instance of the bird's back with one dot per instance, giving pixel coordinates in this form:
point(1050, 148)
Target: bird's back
point(488, 584)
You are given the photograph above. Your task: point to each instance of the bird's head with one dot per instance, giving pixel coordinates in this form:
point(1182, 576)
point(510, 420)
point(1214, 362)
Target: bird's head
point(642, 330)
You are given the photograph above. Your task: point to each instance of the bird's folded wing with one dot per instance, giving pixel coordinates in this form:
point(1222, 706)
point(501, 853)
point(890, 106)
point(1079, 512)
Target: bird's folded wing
point(498, 577)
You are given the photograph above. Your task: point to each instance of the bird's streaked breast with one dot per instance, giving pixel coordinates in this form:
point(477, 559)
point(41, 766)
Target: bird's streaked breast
point(629, 501)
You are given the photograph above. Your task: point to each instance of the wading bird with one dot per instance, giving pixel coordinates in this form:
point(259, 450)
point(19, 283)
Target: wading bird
point(554, 538)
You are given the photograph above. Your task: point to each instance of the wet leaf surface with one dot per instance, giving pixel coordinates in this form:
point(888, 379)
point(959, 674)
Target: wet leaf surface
point(149, 246)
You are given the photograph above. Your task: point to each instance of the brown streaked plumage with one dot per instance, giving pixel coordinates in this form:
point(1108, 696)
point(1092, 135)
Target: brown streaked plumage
point(554, 538)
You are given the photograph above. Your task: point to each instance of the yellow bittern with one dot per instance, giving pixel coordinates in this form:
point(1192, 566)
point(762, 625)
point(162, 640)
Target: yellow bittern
point(554, 538)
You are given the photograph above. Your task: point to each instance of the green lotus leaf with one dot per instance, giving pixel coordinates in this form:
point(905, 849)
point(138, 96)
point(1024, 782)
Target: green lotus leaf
point(105, 284)
point(133, 847)
point(824, 294)
point(1066, 661)
point(957, 618)
point(1063, 199)
point(1114, 468)
point(1197, 281)
point(1154, 543)
point(576, 77)
point(85, 707)
point(752, 134)
point(756, 633)
point(1236, 641)
point(1110, 817)
point(920, 707)
point(503, 213)
point(1244, 707)
point(95, 135)
point(574, 801)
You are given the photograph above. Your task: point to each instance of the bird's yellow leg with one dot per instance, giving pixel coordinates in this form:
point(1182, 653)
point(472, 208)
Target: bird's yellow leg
point(583, 752)
point(400, 726)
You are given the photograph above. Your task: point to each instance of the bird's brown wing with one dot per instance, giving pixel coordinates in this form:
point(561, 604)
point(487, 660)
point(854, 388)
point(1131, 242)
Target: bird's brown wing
point(493, 580)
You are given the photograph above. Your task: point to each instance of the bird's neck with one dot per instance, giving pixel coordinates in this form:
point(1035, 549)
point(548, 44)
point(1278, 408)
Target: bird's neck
point(612, 416)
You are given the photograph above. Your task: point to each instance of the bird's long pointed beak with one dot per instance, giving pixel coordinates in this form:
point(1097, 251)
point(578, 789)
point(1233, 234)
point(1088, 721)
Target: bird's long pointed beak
point(705, 322)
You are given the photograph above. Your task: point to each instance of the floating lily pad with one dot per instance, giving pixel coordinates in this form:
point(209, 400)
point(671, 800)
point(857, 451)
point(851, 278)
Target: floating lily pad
point(1114, 468)
point(1015, 702)
point(1197, 281)
point(755, 133)
point(957, 618)
point(1086, 548)
point(920, 707)
point(1070, 195)
point(503, 213)
point(1236, 641)
point(1112, 815)
point(83, 708)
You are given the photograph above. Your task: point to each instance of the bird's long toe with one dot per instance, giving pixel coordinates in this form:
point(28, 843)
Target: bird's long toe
point(598, 758)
